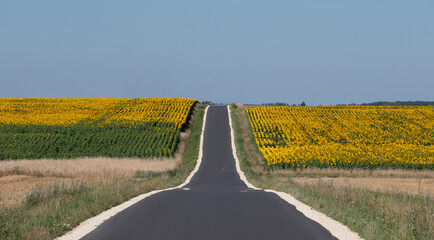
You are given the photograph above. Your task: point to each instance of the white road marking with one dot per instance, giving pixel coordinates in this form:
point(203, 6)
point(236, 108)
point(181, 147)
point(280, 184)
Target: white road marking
point(92, 223)
point(336, 228)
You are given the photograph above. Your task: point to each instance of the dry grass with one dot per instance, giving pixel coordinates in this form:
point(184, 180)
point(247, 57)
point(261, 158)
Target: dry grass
point(392, 185)
point(355, 173)
point(85, 167)
point(18, 178)
point(14, 188)
point(383, 180)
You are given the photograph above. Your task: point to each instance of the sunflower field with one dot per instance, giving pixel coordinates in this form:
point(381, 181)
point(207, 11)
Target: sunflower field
point(345, 136)
point(77, 127)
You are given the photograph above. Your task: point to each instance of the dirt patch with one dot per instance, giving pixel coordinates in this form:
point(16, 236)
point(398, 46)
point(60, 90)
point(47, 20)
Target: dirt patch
point(14, 188)
point(407, 185)
point(19, 177)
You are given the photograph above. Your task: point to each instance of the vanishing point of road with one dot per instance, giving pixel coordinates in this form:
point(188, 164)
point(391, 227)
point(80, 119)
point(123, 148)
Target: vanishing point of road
point(215, 204)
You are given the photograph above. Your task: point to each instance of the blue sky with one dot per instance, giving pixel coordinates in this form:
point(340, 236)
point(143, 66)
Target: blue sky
point(320, 52)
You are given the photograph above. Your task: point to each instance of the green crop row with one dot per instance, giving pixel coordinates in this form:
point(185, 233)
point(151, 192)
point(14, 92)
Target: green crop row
point(31, 141)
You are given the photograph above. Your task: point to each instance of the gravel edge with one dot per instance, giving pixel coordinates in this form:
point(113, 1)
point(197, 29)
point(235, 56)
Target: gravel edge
point(92, 223)
point(336, 228)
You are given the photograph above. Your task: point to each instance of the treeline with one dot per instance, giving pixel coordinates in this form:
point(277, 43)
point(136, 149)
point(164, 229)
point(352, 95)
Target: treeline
point(283, 104)
point(276, 104)
point(396, 103)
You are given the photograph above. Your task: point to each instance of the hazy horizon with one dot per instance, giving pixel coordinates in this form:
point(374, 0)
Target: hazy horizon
point(254, 52)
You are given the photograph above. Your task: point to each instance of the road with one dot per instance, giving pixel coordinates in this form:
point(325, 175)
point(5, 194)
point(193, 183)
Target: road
point(216, 204)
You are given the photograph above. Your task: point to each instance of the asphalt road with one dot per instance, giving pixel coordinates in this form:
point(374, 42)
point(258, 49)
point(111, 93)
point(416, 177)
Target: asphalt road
point(216, 204)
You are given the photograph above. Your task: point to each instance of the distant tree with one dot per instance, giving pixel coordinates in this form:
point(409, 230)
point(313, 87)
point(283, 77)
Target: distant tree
point(276, 104)
point(400, 103)
point(303, 104)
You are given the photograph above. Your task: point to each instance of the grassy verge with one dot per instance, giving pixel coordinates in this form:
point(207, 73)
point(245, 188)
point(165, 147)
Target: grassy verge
point(372, 214)
point(51, 212)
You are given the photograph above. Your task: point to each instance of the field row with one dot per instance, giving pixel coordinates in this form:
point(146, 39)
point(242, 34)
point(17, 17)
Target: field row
point(347, 137)
point(69, 128)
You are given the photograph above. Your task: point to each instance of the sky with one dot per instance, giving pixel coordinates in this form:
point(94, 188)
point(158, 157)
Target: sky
point(321, 52)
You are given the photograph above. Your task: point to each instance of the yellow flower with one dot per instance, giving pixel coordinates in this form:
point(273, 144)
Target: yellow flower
point(344, 136)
